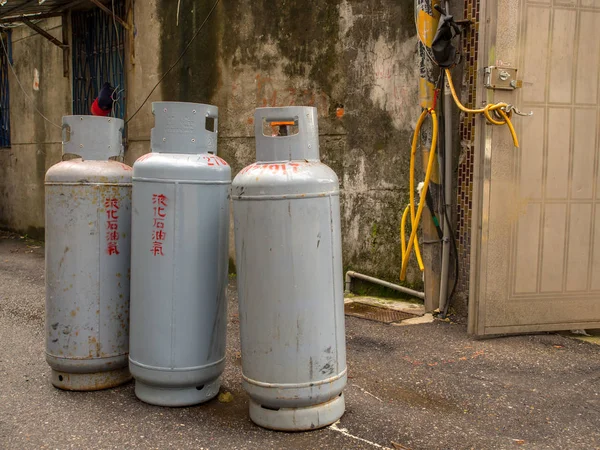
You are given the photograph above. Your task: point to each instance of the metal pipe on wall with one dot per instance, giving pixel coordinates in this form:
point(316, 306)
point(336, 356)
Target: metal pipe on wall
point(447, 181)
point(351, 274)
point(427, 19)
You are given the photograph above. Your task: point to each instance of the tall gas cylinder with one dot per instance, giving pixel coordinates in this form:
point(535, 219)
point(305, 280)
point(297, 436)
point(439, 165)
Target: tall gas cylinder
point(88, 225)
point(289, 273)
point(179, 258)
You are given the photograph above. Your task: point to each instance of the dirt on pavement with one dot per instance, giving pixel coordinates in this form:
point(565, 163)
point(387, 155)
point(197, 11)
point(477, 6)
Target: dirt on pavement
point(425, 386)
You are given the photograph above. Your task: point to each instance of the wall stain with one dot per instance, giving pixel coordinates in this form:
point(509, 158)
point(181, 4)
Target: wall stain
point(196, 77)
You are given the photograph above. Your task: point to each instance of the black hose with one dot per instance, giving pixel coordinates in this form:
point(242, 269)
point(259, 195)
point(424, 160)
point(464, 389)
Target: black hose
point(431, 207)
point(456, 262)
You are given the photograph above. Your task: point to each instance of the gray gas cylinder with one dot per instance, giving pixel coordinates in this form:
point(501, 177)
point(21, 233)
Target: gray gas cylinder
point(289, 274)
point(179, 261)
point(88, 224)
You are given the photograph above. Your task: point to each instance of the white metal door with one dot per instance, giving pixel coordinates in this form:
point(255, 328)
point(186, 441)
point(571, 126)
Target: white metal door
point(536, 245)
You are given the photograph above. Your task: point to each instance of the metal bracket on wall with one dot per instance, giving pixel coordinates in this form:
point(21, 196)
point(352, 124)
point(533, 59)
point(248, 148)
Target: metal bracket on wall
point(501, 78)
point(64, 45)
point(110, 13)
point(43, 32)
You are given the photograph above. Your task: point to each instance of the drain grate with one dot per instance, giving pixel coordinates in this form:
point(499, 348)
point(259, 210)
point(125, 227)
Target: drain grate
point(376, 313)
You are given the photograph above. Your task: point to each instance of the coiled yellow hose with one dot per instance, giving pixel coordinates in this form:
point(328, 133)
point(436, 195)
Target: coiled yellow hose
point(415, 218)
point(500, 108)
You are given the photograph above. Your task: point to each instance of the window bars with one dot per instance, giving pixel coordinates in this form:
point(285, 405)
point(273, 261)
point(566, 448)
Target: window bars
point(98, 57)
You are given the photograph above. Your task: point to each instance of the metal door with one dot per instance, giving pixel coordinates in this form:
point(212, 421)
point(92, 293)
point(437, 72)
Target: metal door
point(536, 245)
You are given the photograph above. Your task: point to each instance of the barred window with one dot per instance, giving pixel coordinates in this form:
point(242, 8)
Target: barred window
point(98, 57)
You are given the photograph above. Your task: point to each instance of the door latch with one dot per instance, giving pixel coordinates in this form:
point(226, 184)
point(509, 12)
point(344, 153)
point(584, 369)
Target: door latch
point(501, 78)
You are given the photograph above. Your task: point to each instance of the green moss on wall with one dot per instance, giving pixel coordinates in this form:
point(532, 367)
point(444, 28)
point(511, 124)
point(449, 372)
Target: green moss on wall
point(196, 76)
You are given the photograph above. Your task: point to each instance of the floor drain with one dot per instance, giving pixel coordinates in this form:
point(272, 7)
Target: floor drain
point(376, 313)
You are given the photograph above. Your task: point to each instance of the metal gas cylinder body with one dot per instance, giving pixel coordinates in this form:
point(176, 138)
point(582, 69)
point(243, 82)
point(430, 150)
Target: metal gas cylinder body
point(179, 259)
point(88, 223)
point(289, 268)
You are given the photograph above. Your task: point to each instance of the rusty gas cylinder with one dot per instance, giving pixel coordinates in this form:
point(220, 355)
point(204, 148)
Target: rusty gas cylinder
point(88, 222)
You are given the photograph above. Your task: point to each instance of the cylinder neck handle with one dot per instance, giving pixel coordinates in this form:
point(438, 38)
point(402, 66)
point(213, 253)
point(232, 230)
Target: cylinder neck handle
point(92, 137)
point(282, 146)
point(181, 127)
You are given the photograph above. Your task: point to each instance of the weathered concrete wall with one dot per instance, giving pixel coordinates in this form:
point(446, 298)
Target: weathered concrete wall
point(35, 143)
point(142, 60)
point(354, 60)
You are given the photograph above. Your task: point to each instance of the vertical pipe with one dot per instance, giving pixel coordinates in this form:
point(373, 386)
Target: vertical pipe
point(427, 21)
point(131, 32)
point(65, 40)
point(447, 100)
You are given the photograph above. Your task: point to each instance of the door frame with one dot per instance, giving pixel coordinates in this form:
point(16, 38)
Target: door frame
point(482, 143)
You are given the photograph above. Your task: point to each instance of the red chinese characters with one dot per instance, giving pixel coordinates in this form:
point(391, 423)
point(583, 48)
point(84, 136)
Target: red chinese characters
point(214, 160)
point(159, 202)
point(273, 168)
point(111, 206)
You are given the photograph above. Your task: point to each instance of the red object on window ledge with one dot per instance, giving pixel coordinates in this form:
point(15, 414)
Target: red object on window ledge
point(97, 111)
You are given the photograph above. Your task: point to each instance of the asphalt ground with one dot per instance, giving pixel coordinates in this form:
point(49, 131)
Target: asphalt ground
point(426, 386)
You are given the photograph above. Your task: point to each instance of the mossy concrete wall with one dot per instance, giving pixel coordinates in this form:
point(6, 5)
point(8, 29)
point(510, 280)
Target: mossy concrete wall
point(354, 60)
point(142, 60)
point(35, 143)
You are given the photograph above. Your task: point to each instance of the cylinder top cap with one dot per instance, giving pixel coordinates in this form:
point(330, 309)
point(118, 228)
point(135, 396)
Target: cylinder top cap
point(181, 127)
point(92, 137)
point(299, 146)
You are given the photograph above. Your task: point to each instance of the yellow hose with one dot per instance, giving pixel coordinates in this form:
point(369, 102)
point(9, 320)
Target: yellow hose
point(498, 107)
point(415, 218)
point(403, 239)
